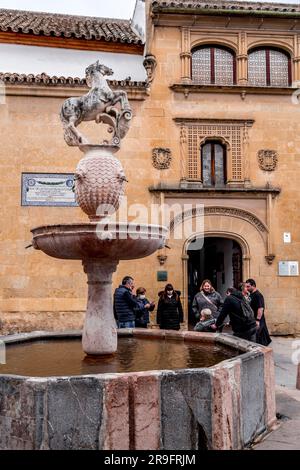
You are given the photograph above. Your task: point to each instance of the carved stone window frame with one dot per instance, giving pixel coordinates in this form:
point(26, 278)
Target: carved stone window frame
point(234, 134)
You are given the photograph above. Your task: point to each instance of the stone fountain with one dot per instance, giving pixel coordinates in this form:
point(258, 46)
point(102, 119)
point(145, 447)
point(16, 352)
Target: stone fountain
point(99, 187)
point(222, 403)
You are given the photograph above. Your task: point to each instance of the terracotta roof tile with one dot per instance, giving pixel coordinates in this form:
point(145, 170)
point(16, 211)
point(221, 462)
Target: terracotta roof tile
point(45, 79)
point(84, 27)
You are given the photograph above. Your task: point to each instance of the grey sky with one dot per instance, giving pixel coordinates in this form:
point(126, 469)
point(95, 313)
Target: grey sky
point(104, 8)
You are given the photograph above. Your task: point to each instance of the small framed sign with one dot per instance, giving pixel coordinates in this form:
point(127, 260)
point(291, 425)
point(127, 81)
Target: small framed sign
point(162, 276)
point(288, 268)
point(48, 189)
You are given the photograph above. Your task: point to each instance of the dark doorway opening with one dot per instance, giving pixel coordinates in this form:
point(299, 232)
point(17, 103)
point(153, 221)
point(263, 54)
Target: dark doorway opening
point(219, 260)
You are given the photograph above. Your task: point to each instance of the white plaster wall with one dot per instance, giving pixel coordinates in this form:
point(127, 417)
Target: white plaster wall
point(138, 21)
point(67, 62)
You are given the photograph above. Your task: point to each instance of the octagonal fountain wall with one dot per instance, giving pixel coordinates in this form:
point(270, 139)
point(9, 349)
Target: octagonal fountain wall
point(225, 406)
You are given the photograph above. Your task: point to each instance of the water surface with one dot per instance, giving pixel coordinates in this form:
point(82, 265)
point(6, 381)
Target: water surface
point(65, 357)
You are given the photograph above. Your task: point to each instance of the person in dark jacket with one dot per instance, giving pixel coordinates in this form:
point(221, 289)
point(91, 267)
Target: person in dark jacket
point(142, 317)
point(169, 310)
point(257, 303)
point(241, 326)
point(125, 305)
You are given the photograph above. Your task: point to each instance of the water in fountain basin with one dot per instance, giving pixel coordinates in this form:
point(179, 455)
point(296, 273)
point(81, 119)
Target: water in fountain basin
point(65, 357)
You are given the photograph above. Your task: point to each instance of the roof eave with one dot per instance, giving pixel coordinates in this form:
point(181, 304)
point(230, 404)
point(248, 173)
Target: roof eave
point(159, 9)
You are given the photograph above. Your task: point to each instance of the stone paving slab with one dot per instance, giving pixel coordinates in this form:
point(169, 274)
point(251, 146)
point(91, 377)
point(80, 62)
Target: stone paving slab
point(285, 369)
point(286, 436)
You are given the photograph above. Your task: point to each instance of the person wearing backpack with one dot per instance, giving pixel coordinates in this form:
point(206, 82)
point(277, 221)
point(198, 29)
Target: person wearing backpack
point(241, 315)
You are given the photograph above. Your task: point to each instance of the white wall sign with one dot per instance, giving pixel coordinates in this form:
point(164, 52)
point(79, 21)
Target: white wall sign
point(287, 237)
point(288, 268)
point(48, 189)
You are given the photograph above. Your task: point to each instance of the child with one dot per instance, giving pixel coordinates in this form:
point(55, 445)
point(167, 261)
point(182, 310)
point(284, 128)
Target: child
point(207, 322)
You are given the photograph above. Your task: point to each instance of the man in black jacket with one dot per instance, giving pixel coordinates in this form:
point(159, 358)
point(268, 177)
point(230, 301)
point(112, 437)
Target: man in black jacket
point(125, 304)
point(242, 326)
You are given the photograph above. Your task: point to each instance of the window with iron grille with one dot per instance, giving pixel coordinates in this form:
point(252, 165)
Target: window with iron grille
point(213, 65)
point(269, 67)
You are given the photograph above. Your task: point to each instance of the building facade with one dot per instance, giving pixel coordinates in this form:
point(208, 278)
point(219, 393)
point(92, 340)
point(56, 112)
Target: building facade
point(215, 136)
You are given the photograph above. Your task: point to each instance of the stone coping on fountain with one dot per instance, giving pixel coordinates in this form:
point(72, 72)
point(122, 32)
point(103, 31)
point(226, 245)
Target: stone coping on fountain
point(225, 406)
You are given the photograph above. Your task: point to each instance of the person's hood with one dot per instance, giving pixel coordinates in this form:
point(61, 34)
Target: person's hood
point(238, 294)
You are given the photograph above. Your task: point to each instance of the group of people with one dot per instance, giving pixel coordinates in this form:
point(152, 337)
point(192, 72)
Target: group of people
point(132, 311)
point(242, 308)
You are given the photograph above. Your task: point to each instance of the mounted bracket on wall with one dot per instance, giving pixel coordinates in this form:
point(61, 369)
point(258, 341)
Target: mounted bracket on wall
point(270, 258)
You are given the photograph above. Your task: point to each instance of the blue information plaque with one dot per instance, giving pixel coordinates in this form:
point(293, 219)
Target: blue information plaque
point(48, 189)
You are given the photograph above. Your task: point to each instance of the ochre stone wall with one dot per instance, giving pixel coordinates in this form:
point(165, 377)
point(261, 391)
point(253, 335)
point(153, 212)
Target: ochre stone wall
point(38, 292)
point(276, 126)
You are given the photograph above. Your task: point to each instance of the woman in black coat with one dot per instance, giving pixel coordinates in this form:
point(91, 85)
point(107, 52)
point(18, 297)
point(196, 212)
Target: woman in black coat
point(169, 310)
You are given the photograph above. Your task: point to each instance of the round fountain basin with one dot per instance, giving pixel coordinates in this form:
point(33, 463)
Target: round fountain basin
point(99, 240)
point(220, 406)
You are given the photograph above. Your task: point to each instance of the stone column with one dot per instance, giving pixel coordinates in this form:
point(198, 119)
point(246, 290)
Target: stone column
point(242, 60)
point(296, 60)
point(185, 56)
point(270, 254)
point(99, 332)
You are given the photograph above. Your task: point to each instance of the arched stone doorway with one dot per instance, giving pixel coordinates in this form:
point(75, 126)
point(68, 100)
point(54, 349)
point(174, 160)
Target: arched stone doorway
point(218, 259)
point(248, 231)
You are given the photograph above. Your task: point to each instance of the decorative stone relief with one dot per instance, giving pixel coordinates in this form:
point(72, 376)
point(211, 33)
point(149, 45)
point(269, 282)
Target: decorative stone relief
point(161, 158)
point(162, 259)
point(230, 211)
point(270, 258)
point(150, 64)
point(267, 159)
point(235, 132)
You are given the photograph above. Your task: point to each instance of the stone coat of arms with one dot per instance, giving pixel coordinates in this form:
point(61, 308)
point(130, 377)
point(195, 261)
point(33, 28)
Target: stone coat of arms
point(161, 158)
point(267, 159)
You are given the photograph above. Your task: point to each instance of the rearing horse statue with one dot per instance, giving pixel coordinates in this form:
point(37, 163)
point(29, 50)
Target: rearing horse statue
point(97, 105)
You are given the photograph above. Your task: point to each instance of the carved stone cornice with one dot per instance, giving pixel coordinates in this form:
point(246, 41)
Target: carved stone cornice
point(188, 120)
point(218, 8)
point(218, 210)
point(197, 188)
point(243, 90)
